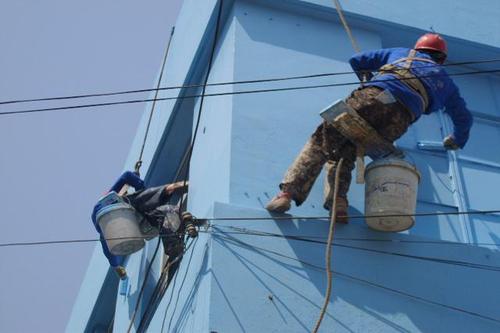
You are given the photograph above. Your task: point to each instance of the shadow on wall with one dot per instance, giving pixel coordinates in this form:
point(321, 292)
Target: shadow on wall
point(293, 32)
point(439, 282)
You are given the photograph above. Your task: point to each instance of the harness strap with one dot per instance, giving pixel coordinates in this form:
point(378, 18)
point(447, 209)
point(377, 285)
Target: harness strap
point(407, 77)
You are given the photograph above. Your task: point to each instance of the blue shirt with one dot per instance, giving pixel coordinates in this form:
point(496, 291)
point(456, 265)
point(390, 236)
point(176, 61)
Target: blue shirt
point(127, 178)
point(442, 92)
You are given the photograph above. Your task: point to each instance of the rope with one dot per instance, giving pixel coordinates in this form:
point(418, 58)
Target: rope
point(355, 45)
point(160, 236)
point(328, 253)
point(137, 168)
point(186, 162)
point(83, 106)
point(165, 56)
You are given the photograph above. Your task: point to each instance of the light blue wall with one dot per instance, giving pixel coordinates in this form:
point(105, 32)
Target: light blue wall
point(246, 142)
point(232, 282)
point(267, 130)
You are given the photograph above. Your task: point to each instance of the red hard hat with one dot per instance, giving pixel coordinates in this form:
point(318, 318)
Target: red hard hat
point(432, 42)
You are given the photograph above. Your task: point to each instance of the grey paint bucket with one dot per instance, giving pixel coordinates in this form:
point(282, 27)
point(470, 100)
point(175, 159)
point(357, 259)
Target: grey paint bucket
point(119, 224)
point(391, 189)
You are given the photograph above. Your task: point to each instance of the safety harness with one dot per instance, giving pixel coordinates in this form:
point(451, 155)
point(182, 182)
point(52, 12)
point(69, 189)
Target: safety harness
point(407, 77)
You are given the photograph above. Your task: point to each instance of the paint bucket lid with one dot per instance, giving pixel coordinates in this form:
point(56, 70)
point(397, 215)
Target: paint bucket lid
point(110, 208)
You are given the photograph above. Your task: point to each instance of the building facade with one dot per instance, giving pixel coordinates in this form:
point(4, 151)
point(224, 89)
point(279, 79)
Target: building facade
point(440, 276)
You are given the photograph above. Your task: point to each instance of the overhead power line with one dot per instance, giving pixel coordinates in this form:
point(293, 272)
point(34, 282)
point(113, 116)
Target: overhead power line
point(367, 282)
point(269, 218)
point(264, 80)
point(377, 251)
point(242, 92)
point(341, 243)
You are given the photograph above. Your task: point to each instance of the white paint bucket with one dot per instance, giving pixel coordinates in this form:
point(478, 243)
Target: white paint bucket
point(391, 189)
point(119, 224)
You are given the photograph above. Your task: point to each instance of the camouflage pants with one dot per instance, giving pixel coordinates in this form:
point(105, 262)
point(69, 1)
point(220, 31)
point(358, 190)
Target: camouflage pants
point(326, 146)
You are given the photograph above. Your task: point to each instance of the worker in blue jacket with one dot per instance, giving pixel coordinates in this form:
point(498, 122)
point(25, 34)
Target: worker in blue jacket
point(127, 178)
point(409, 83)
point(152, 203)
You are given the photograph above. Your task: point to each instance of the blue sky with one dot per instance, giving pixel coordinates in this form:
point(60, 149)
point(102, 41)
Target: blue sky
point(53, 166)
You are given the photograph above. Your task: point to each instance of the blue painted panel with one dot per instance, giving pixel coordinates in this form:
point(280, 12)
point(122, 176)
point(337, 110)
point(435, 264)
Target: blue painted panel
point(485, 230)
point(281, 281)
point(185, 306)
point(188, 42)
point(213, 144)
point(245, 145)
point(95, 277)
point(477, 91)
point(435, 183)
point(268, 130)
point(444, 227)
point(424, 15)
point(483, 141)
point(495, 86)
point(136, 269)
point(481, 185)
point(427, 128)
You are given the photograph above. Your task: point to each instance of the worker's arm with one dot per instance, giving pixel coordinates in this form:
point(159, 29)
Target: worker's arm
point(128, 178)
point(366, 62)
point(171, 188)
point(461, 118)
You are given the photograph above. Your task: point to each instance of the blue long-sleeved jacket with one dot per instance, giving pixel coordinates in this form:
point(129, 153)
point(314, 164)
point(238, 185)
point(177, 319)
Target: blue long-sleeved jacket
point(128, 178)
point(442, 92)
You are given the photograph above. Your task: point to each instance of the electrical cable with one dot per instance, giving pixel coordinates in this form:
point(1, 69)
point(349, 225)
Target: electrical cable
point(147, 314)
point(242, 92)
point(265, 80)
point(180, 288)
point(351, 277)
point(187, 162)
point(318, 240)
point(146, 276)
point(157, 292)
point(141, 291)
point(290, 217)
point(173, 282)
point(415, 257)
point(138, 165)
point(277, 218)
point(198, 120)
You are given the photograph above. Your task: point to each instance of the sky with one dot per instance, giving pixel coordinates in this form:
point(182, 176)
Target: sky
point(53, 166)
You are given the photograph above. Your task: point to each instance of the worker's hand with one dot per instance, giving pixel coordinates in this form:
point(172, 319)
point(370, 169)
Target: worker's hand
point(449, 143)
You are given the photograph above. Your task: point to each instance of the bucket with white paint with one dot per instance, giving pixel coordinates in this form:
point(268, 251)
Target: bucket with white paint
point(391, 189)
point(119, 224)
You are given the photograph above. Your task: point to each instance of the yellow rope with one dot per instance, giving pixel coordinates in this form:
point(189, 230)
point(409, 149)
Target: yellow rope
point(355, 45)
point(328, 254)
